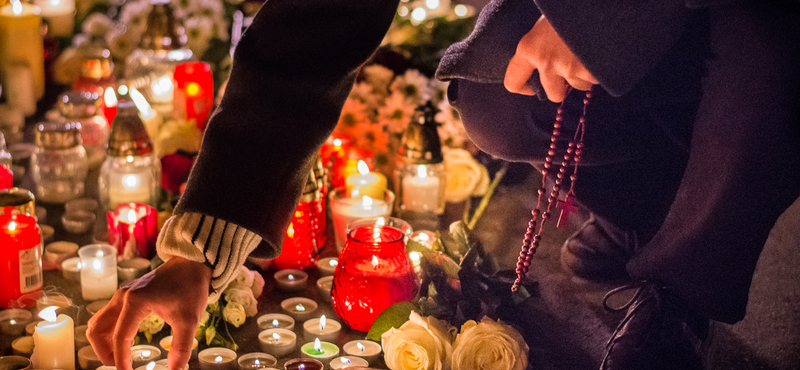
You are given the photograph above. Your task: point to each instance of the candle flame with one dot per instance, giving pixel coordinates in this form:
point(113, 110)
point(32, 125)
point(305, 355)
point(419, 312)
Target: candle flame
point(16, 7)
point(130, 181)
point(362, 167)
point(337, 142)
point(432, 4)
point(366, 201)
point(145, 354)
point(414, 256)
point(299, 307)
point(374, 261)
point(162, 87)
point(97, 265)
point(99, 254)
point(218, 359)
point(12, 322)
point(423, 237)
point(193, 89)
point(123, 90)
point(48, 314)
point(419, 14)
point(151, 365)
point(360, 346)
point(291, 277)
point(322, 320)
point(257, 363)
point(290, 230)
point(129, 159)
point(141, 104)
point(346, 360)
point(131, 215)
point(422, 172)
point(110, 98)
point(334, 263)
point(276, 336)
point(12, 225)
point(275, 324)
point(55, 3)
point(317, 345)
point(301, 367)
point(461, 10)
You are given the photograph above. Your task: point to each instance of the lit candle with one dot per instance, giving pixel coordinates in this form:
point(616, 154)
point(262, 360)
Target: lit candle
point(20, 260)
point(368, 350)
point(59, 14)
point(324, 285)
point(21, 41)
point(98, 271)
point(321, 328)
point(299, 308)
point(133, 230)
point(13, 322)
point(421, 192)
point(344, 163)
point(345, 362)
point(291, 280)
point(155, 365)
point(166, 343)
point(275, 320)
point(278, 342)
point(303, 364)
point(143, 354)
point(345, 209)
point(322, 351)
point(217, 358)
point(110, 104)
point(367, 183)
point(54, 345)
point(194, 95)
point(71, 268)
point(327, 265)
point(151, 119)
point(333, 147)
point(256, 360)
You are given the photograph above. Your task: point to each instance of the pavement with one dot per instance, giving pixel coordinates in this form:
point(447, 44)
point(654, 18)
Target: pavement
point(567, 327)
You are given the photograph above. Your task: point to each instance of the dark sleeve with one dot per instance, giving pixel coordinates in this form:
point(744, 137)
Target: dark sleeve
point(292, 71)
point(618, 41)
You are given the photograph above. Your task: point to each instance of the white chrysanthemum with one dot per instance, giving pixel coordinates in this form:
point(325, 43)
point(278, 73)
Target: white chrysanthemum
point(199, 31)
point(362, 92)
point(134, 17)
point(120, 44)
point(413, 85)
point(379, 77)
point(397, 110)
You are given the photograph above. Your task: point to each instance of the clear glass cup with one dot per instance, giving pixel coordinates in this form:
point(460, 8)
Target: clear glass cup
point(345, 209)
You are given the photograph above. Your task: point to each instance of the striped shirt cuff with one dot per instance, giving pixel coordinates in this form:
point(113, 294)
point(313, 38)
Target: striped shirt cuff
point(220, 245)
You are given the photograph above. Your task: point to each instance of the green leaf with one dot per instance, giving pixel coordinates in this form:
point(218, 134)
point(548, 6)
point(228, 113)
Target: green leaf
point(393, 317)
point(460, 233)
point(444, 262)
point(414, 246)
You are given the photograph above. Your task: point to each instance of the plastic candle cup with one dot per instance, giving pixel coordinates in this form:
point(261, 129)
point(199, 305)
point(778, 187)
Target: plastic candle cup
point(321, 328)
point(16, 363)
point(278, 342)
point(345, 209)
point(22, 346)
point(324, 285)
point(303, 364)
point(217, 358)
point(166, 343)
point(327, 265)
point(13, 322)
point(54, 343)
point(87, 358)
point(321, 351)
point(299, 308)
point(366, 349)
point(275, 321)
point(364, 182)
point(345, 362)
point(291, 280)
point(257, 360)
point(98, 271)
point(143, 354)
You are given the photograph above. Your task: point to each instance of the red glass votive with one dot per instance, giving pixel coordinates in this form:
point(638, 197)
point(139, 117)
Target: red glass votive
point(133, 230)
point(20, 260)
point(194, 93)
point(6, 177)
point(300, 249)
point(345, 163)
point(110, 104)
point(374, 272)
point(333, 145)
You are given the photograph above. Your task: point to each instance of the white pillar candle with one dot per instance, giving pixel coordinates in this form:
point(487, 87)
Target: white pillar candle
point(345, 209)
point(98, 271)
point(54, 345)
point(421, 192)
point(20, 40)
point(59, 15)
point(321, 328)
point(364, 182)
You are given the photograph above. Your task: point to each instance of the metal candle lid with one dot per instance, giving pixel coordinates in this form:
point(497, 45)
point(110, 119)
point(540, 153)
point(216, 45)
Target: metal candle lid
point(420, 143)
point(161, 32)
point(58, 135)
point(79, 104)
point(128, 135)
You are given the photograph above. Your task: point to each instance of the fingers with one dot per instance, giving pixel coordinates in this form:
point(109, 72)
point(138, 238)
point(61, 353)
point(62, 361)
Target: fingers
point(182, 339)
point(518, 72)
point(100, 329)
point(132, 313)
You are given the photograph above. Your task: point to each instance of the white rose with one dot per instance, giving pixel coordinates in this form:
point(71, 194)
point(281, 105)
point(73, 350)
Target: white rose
point(258, 284)
point(489, 345)
point(244, 297)
point(464, 176)
point(234, 314)
point(419, 344)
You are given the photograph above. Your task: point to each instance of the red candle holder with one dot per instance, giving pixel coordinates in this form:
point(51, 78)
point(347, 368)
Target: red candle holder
point(333, 145)
point(6, 177)
point(20, 260)
point(194, 93)
point(110, 104)
point(345, 163)
point(374, 272)
point(300, 249)
point(133, 230)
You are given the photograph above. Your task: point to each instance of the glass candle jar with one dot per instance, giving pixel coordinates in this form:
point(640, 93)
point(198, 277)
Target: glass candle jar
point(59, 164)
point(420, 173)
point(300, 248)
point(374, 272)
point(96, 68)
point(85, 108)
point(20, 260)
point(6, 175)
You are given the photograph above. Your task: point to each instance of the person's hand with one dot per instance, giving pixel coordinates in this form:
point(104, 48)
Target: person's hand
point(543, 50)
point(176, 291)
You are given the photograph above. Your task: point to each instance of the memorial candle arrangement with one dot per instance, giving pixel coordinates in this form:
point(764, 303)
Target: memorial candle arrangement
point(133, 230)
point(20, 260)
point(54, 344)
point(98, 271)
point(374, 272)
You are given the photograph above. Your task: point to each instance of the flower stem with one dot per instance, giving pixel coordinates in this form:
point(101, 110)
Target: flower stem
point(488, 196)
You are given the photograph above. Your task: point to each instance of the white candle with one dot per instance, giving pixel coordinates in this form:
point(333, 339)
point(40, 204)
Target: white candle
point(20, 40)
point(59, 15)
point(278, 342)
point(345, 362)
point(98, 271)
point(13, 321)
point(217, 358)
point(291, 280)
point(54, 344)
point(321, 328)
point(324, 285)
point(327, 265)
point(367, 183)
point(299, 308)
point(274, 321)
point(365, 349)
point(18, 87)
point(129, 187)
point(345, 210)
point(166, 343)
point(421, 192)
point(321, 351)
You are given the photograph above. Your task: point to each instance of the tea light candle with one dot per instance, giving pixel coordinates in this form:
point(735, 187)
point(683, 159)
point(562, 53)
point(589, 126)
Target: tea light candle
point(13, 322)
point(217, 358)
point(53, 343)
point(163, 362)
point(364, 182)
point(324, 285)
point(47, 232)
point(365, 349)
point(303, 364)
point(98, 271)
point(56, 252)
point(327, 265)
point(15, 363)
point(278, 342)
point(256, 360)
point(71, 269)
point(321, 328)
point(299, 308)
point(322, 351)
point(132, 269)
point(87, 358)
point(156, 365)
point(345, 362)
point(166, 343)
point(143, 354)
point(23, 346)
point(274, 321)
point(31, 327)
point(80, 337)
point(291, 280)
